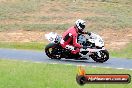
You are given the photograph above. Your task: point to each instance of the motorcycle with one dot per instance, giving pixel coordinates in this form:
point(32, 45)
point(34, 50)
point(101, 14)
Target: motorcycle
point(94, 43)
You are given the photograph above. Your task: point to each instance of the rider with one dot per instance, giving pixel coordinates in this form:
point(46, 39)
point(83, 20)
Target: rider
point(69, 38)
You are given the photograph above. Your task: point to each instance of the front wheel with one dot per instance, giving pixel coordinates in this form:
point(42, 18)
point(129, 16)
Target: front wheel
point(104, 56)
point(52, 51)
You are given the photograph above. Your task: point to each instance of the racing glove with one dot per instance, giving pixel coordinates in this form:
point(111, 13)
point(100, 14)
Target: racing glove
point(84, 47)
point(89, 33)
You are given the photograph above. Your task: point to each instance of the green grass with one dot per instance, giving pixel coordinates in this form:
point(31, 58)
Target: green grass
point(17, 74)
point(33, 27)
point(9, 9)
point(109, 22)
point(23, 45)
point(123, 53)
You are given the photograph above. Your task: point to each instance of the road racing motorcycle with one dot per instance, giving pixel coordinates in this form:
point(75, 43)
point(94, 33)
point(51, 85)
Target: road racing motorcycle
point(94, 48)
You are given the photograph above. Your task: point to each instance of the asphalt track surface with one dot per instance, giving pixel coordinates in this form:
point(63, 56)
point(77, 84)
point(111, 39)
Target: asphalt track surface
point(39, 56)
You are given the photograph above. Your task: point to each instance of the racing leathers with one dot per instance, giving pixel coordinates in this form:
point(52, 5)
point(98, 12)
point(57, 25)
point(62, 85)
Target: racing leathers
point(69, 40)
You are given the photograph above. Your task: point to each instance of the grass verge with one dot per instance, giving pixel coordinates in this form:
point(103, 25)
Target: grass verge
point(123, 53)
point(23, 45)
point(17, 74)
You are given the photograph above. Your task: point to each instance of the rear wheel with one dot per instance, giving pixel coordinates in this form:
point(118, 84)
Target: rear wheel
point(104, 56)
point(52, 51)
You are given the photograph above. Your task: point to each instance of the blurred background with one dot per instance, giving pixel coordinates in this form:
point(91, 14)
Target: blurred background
point(23, 23)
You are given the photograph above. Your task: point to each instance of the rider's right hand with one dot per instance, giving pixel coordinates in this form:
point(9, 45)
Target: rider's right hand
point(84, 47)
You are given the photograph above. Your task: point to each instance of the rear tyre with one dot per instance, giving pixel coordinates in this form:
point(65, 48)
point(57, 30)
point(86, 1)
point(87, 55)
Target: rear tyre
point(104, 56)
point(51, 51)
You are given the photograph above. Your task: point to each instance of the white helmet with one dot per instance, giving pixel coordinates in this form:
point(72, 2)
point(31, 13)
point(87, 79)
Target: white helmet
point(80, 24)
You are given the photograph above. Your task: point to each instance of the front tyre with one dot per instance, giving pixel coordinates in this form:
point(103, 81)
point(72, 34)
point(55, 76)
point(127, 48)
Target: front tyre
point(51, 51)
point(104, 56)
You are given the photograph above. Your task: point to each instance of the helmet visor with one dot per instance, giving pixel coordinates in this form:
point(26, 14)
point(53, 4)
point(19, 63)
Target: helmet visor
point(81, 25)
